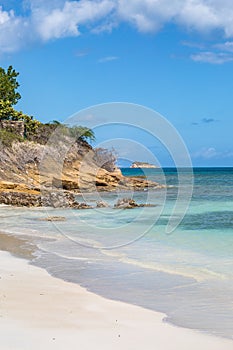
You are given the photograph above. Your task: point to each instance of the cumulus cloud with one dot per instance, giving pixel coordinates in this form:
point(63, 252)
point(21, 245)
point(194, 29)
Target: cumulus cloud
point(44, 21)
point(54, 19)
point(63, 22)
point(13, 30)
point(201, 15)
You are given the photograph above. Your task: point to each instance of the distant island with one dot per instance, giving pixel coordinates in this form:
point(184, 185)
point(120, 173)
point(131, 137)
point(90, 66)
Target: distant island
point(143, 165)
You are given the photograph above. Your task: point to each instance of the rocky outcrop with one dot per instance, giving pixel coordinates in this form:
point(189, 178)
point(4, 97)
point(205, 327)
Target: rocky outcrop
point(81, 206)
point(34, 175)
point(143, 165)
point(16, 127)
point(102, 204)
point(45, 199)
point(126, 203)
point(20, 199)
point(71, 169)
point(129, 203)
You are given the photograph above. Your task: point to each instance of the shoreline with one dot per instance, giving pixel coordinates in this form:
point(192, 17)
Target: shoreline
point(46, 312)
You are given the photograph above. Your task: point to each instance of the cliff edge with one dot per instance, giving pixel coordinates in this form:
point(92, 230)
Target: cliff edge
point(30, 168)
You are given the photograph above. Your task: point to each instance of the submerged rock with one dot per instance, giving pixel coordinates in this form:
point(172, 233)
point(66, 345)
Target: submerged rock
point(81, 206)
point(129, 203)
point(102, 204)
point(53, 218)
point(126, 203)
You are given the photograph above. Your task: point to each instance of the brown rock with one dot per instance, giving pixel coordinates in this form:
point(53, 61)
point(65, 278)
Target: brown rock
point(126, 203)
point(53, 218)
point(102, 204)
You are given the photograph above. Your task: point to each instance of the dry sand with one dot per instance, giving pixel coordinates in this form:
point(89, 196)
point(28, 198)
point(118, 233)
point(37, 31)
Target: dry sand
point(38, 312)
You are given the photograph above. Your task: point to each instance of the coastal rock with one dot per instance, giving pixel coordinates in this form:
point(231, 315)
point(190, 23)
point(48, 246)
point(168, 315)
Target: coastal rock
point(81, 206)
point(47, 199)
point(53, 218)
point(102, 204)
point(28, 166)
point(20, 199)
point(57, 199)
point(65, 184)
point(60, 200)
point(126, 203)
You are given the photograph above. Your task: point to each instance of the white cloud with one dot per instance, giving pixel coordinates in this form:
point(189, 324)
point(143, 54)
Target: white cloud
point(82, 53)
point(106, 26)
point(226, 46)
point(108, 59)
point(12, 31)
point(199, 15)
point(212, 153)
point(63, 22)
point(207, 153)
point(46, 20)
point(148, 15)
point(212, 57)
point(49, 20)
point(194, 45)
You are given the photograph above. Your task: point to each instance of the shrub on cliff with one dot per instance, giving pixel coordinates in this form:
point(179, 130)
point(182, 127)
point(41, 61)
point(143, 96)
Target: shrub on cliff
point(34, 130)
point(7, 138)
point(44, 131)
point(7, 112)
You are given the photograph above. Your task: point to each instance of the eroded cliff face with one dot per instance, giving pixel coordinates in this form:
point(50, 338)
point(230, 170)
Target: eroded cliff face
point(61, 165)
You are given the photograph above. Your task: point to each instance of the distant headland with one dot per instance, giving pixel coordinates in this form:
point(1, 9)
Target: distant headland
point(143, 165)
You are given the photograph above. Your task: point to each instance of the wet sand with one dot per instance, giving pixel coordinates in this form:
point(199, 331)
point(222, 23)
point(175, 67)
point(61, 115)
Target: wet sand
point(38, 311)
point(19, 247)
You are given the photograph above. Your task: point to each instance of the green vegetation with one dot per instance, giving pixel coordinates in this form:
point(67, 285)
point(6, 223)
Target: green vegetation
point(7, 112)
point(81, 133)
point(7, 138)
point(77, 132)
point(9, 96)
point(34, 130)
point(44, 131)
point(9, 86)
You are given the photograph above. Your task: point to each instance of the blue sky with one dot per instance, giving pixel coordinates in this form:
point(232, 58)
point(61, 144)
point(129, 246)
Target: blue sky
point(174, 57)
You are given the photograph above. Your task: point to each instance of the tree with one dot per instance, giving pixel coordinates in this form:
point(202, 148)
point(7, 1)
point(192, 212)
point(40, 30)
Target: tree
point(9, 96)
point(9, 86)
point(81, 133)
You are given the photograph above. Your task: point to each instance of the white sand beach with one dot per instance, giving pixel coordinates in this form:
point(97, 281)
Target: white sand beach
point(38, 311)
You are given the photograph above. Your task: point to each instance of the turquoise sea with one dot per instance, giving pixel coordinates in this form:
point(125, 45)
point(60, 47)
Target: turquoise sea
point(128, 255)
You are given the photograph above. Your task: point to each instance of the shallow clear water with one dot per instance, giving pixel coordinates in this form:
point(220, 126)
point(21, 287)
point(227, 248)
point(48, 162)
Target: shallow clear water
point(127, 254)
